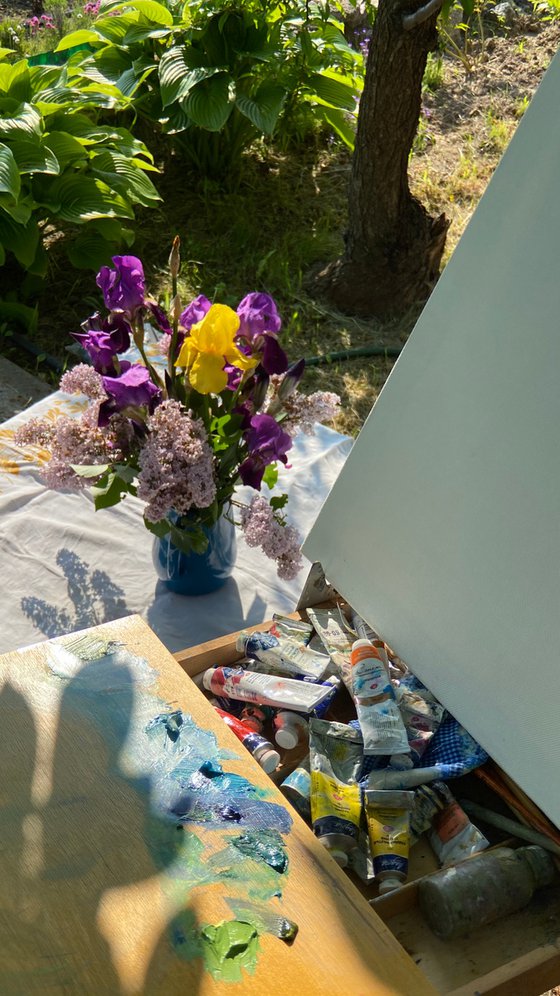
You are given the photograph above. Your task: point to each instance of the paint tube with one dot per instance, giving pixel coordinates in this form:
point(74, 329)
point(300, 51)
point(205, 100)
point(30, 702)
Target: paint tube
point(265, 689)
point(422, 715)
point(389, 779)
point(428, 800)
point(336, 639)
point(261, 749)
point(284, 655)
point(336, 758)
point(334, 684)
point(378, 713)
point(453, 836)
point(388, 827)
point(297, 789)
point(293, 629)
point(361, 860)
point(290, 728)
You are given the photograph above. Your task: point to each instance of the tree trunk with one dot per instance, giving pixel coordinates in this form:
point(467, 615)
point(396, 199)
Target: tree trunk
point(393, 247)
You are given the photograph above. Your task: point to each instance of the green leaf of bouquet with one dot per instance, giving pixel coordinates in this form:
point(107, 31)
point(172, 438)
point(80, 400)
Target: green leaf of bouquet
point(278, 502)
point(270, 475)
point(209, 104)
point(191, 540)
point(89, 470)
point(160, 528)
point(10, 182)
point(263, 108)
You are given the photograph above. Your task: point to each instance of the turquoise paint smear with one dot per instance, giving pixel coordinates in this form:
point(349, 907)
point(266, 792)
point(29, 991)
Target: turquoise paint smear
point(265, 845)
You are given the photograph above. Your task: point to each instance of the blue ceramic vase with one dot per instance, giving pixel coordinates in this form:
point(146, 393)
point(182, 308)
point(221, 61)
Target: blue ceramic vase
point(197, 573)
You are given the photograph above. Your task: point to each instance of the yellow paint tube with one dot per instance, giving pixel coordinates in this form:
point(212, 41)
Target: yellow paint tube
point(388, 817)
point(335, 761)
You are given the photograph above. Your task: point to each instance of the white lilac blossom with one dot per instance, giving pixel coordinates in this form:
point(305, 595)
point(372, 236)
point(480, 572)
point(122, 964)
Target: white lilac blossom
point(176, 468)
point(278, 541)
point(83, 379)
point(303, 411)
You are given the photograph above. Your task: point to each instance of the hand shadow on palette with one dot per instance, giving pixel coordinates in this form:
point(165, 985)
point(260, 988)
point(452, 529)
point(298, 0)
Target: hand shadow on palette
point(94, 598)
point(93, 835)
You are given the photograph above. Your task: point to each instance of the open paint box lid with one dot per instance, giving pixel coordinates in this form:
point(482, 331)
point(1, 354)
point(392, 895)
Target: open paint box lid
point(443, 529)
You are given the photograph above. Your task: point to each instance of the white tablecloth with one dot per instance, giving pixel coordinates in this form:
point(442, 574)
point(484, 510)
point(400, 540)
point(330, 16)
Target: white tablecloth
point(65, 567)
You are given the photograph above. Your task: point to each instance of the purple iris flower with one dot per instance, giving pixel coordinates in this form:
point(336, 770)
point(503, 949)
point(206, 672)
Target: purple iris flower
point(234, 377)
point(123, 287)
point(274, 359)
point(195, 312)
point(160, 318)
point(266, 442)
point(258, 314)
point(103, 339)
point(133, 388)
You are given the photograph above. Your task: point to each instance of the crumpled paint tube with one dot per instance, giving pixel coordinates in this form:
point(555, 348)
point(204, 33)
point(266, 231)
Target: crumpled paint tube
point(283, 655)
point(336, 805)
point(422, 715)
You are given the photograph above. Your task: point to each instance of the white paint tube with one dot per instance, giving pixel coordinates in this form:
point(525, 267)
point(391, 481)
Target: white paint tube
point(378, 713)
point(266, 689)
point(422, 715)
point(282, 654)
point(389, 779)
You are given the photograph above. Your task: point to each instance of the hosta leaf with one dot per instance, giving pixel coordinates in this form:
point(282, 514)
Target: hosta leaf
point(77, 38)
point(140, 32)
point(80, 198)
point(15, 80)
point(177, 76)
point(114, 29)
point(333, 91)
point(20, 211)
point(175, 121)
point(34, 157)
point(153, 11)
point(89, 250)
point(65, 147)
point(264, 107)
point(340, 123)
point(209, 104)
point(18, 119)
point(22, 240)
point(10, 182)
point(122, 175)
point(5, 51)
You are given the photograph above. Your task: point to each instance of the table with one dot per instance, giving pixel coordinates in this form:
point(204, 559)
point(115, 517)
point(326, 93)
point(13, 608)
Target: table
point(66, 567)
point(121, 855)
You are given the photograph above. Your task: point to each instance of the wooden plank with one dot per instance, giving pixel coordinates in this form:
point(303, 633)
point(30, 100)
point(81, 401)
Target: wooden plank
point(102, 893)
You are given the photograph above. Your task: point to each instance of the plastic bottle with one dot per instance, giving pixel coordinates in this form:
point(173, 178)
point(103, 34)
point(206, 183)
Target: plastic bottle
point(289, 728)
point(482, 889)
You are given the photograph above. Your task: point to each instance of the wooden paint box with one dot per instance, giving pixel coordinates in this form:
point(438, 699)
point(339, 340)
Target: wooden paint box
point(516, 956)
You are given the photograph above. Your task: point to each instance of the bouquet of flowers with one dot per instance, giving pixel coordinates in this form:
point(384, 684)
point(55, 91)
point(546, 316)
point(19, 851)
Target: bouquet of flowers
point(216, 407)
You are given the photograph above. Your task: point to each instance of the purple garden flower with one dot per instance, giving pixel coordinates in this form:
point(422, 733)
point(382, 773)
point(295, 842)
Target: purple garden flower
point(103, 338)
point(266, 442)
point(123, 287)
point(132, 389)
point(257, 314)
point(194, 312)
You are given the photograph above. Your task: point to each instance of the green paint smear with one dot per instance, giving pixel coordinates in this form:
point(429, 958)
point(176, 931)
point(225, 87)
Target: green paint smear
point(263, 845)
point(228, 948)
point(263, 919)
point(259, 880)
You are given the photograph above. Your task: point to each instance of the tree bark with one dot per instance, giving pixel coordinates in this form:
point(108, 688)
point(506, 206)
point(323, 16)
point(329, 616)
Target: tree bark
point(393, 246)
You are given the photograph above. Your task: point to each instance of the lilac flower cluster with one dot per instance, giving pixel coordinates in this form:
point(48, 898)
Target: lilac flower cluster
point(83, 379)
point(74, 441)
point(176, 467)
point(278, 541)
point(301, 411)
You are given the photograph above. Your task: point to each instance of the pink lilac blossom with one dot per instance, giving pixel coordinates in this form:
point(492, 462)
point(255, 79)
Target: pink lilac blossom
point(83, 379)
point(303, 411)
point(73, 441)
point(279, 542)
point(176, 464)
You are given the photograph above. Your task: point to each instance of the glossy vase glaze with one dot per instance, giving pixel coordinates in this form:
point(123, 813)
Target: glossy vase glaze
point(197, 573)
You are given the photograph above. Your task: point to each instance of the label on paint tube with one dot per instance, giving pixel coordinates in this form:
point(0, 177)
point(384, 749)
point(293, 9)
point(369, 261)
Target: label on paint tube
point(266, 689)
point(378, 713)
point(283, 654)
point(336, 807)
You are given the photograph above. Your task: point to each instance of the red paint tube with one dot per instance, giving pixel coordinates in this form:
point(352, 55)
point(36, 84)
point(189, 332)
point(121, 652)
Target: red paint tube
point(261, 749)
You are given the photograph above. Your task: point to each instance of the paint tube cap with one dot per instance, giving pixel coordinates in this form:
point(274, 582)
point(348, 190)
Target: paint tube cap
point(241, 641)
point(287, 737)
point(268, 758)
point(389, 884)
point(339, 856)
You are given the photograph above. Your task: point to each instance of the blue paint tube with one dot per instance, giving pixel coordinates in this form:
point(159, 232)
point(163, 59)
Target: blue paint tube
point(297, 789)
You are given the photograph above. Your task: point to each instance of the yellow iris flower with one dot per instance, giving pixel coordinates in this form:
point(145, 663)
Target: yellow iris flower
point(209, 346)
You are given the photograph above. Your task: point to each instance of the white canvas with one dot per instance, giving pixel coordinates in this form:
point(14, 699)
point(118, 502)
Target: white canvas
point(443, 528)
